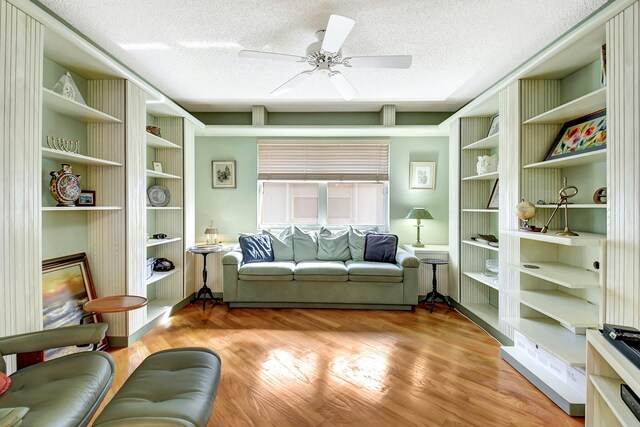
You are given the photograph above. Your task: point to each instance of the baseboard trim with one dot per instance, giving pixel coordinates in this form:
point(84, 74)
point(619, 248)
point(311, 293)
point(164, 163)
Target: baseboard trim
point(120, 342)
point(502, 338)
point(319, 305)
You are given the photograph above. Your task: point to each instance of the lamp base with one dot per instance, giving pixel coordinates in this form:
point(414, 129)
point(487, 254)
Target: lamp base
point(418, 244)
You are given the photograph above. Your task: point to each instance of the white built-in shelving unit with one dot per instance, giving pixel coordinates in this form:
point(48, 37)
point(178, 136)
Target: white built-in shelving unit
point(607, 370)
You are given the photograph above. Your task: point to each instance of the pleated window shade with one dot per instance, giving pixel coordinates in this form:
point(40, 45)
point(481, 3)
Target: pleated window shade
point(324, 161)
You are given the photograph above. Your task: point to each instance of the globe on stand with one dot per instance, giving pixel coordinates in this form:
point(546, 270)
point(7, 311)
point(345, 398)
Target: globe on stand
point(525, 211)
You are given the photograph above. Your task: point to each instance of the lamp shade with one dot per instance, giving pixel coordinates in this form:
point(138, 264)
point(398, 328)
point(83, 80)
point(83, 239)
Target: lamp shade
point(419, 213)
point(211, 230)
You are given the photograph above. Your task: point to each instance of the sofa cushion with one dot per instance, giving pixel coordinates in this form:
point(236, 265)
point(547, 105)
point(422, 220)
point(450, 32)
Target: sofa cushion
point(356, 242)
point(269, 278)
point(368, 268)
point(77, 381)
point(381, 247)
point(375, 279)
point(267, 268)
point(333, 246)
point(305, 245)
point(282, 244)
point(324, 268)
point(256, 248)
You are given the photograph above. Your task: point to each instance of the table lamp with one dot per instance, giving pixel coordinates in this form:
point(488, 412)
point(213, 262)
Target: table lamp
point(211, 231)
point(418, 214)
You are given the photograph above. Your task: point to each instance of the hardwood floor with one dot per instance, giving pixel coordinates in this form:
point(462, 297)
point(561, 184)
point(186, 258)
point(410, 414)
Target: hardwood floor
point(351, 368)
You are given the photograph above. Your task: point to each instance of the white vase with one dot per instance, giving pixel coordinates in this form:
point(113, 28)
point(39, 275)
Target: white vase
point(487, 164)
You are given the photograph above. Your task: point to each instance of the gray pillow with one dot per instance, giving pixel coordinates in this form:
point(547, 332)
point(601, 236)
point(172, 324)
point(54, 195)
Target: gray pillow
point(356, 241)
point(282, 244)
point(333, 246)
point(305, 245)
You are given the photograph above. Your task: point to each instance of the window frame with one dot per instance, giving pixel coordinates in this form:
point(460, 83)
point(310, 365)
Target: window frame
point(323, 202)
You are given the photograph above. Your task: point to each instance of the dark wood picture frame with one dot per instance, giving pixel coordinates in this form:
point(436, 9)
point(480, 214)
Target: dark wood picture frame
point(575, 134)
point(66, 285)
point(86, 193)
point(494, 197)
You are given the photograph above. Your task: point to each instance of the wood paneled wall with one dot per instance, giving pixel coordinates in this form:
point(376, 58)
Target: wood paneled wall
point(623, 175)
point(136, 213)
point(454, 210)
point(189, 207)
point(21, 48)
point(107, 249)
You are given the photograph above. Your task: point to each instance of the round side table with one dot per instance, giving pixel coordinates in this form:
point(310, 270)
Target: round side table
point(112, 304)
point(434, 295)
point(205, 290)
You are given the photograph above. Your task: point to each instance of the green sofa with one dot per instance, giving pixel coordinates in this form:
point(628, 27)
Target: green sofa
point(321, 283)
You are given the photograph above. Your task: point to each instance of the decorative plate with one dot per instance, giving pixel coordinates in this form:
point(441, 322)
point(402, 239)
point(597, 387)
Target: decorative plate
point(159, 195)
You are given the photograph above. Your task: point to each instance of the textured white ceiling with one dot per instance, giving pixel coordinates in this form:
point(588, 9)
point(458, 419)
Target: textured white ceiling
point(188, 48)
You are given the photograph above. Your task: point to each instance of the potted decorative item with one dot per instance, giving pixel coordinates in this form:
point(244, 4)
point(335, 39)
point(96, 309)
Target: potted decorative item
point(65, 186)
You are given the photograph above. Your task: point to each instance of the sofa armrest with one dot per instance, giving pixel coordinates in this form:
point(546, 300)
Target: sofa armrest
point(232, 258)
point(91, 333)
point(405, 259)
point(10, 417)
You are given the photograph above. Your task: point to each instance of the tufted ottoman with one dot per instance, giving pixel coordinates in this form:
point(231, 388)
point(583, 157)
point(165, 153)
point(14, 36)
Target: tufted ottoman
point(174, 387)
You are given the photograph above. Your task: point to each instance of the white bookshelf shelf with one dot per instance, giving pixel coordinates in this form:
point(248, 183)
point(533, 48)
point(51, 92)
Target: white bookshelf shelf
point(587, 104)
point(609, 391)
point(486, 312)
point(481, 210)
point(491, 281)
point(483, 177)
point(80, 208)
point(566, 309)
point(575, 160)
point(480, 245)
point(70, 108)
point(158, 242)
point(164, 208)
point(154, 174)
point(575, 206)
point(157, 142)
point(541, 374)
point(485, 143)
point(562, 274)
point(550, 335)
point(50, 153)
point(584, 239)
point(159, 307)
point(159, 275)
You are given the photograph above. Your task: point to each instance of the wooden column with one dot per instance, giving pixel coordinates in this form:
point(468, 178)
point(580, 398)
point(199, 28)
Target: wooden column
point(623, 168)
point(21, 49)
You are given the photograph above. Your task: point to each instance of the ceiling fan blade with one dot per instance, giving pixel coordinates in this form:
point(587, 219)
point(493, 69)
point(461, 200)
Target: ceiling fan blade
point(270, 55)
point(381, 61)
point(343, 86)
point(292, 82)
point(336, 33)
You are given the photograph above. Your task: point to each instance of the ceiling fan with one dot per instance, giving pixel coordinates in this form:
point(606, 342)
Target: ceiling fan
point(325, 54)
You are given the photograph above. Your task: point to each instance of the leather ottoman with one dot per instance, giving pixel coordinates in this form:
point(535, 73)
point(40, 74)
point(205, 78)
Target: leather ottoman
point(174, 387)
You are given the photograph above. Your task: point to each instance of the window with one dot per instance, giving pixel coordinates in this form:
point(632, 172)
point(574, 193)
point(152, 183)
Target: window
point(311, 204)
point(323, 182)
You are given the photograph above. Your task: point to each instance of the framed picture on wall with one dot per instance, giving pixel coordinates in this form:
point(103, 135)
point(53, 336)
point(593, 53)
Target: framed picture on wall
point(224, 173)
point(66, 286)
point(422, 176)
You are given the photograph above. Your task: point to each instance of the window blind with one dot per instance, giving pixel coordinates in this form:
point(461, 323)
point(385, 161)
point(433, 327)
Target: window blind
point(324, 161)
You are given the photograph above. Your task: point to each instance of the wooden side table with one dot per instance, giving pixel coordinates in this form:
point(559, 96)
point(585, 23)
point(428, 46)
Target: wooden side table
point(205, 290)
point(113, 304)
point(434, 294)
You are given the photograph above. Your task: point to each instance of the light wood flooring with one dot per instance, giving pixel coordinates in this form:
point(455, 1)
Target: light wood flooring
point(351, 368)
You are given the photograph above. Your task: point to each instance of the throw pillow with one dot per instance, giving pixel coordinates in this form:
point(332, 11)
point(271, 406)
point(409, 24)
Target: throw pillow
point(381, 247)
point(356, 242)
point(5, 382)
point(282, 244)
point(305, 245)
point(256, 248)
point(333, 246)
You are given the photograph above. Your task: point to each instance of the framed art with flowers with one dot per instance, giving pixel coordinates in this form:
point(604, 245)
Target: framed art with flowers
point(579, 136)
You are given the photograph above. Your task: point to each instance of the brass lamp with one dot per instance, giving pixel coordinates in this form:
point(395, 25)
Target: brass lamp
point(418, 214)
point(211, 231)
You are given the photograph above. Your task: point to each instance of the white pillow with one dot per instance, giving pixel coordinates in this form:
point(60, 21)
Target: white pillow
point(282, 244)
point(356, 241)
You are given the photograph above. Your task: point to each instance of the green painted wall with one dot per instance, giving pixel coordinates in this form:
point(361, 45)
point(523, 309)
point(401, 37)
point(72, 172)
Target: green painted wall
point(581, 82)
point(64, 233)
point(235, 210)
